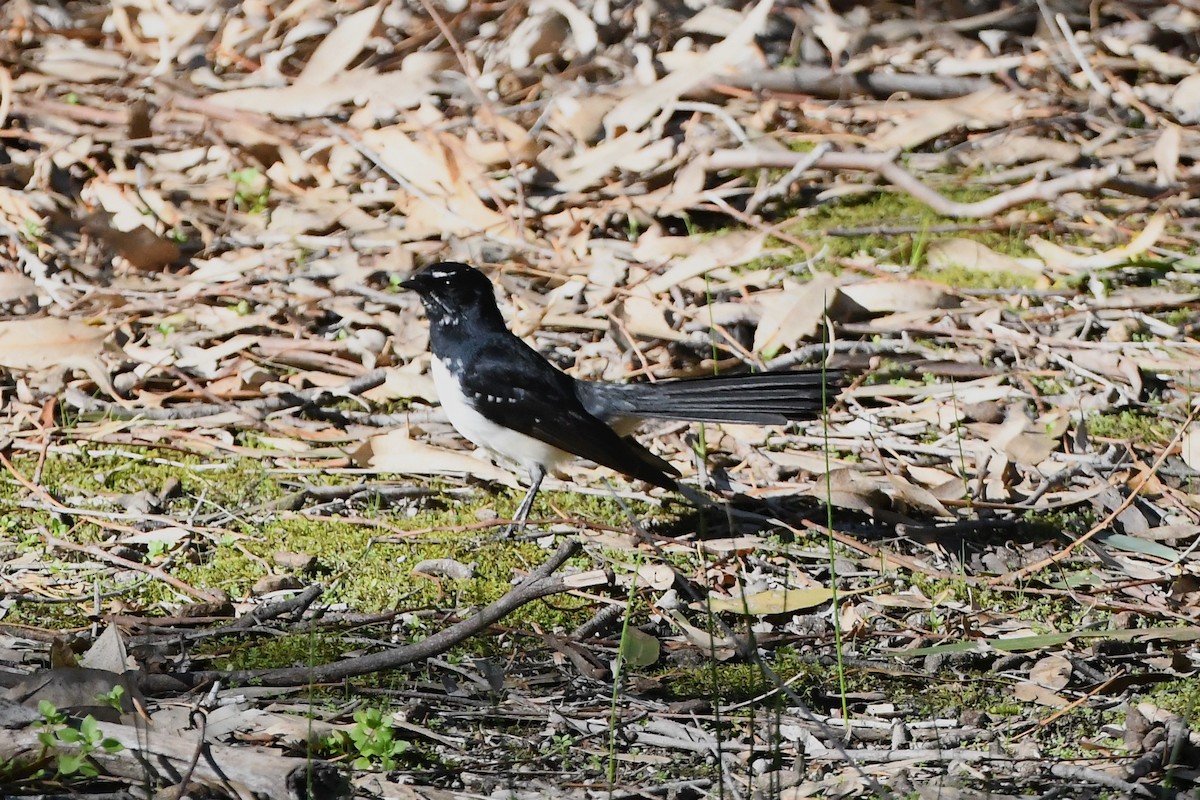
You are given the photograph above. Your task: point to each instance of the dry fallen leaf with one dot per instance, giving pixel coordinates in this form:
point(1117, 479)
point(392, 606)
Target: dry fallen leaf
point(438, 197)
point(397, 452)
point(728, 250)
point(1063, 260)
point(908, 295)
point(1015, 438)
point(969, 254)
point(792, 314)
point(772, 601)
point(43, 342)
point(908, 497)
point(633, 112)
point(1166, 155)
point(14, 286)
point(1189, 446)
point(851, 488)
point(1030, 692)
point(910, 599)
point(921, 121)
point(658, 577)
point(1053, 672)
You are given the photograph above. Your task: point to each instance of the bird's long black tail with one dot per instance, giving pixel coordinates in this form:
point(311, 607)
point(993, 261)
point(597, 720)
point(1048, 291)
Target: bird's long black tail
point(764, 398)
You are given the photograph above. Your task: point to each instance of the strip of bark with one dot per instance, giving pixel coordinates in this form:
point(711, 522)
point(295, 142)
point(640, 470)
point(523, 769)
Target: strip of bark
point(832, 84)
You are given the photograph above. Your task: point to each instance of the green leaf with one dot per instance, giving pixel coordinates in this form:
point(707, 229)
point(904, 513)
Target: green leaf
point(1132, 544)
point(638, 648)
point(70, 736)
point(69, 765)
point(89, 728)
point(1019, 644)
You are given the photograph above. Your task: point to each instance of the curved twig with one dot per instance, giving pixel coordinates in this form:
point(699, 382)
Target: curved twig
point(540, 583)
point(884, 165)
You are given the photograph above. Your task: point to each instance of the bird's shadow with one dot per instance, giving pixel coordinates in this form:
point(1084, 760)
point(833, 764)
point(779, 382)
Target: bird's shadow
point(987, 544)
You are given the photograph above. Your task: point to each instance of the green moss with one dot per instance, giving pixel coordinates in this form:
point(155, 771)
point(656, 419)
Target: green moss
point(1072, 522)
point(943, 589)
point(1177, 317)
point(289, 650)
point(886, 210)
point(1046, 386)
point(364, 576)
point(961, 277)
point(809, 678)
point(1181, 697)
point(947, 696)
point(735, 682)
point(1062, 737)
point(103, 474)
point(48, 616)
point(1138, 426)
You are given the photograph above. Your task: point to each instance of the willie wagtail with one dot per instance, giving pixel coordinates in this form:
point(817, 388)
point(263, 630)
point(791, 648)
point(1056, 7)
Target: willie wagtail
point(505, 397)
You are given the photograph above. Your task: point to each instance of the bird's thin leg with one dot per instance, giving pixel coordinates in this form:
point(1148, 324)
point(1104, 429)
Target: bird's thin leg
point(535, 482)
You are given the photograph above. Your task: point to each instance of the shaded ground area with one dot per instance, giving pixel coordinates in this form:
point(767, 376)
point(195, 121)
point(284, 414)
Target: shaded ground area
point(243, 552)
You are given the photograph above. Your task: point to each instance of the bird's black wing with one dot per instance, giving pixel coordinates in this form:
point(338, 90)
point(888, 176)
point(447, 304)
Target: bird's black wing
point(514, 386)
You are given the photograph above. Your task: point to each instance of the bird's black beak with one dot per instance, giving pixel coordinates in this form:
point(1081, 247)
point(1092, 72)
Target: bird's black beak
point(413, 282)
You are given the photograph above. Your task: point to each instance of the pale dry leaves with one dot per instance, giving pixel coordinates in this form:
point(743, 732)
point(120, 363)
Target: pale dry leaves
point(230, 238)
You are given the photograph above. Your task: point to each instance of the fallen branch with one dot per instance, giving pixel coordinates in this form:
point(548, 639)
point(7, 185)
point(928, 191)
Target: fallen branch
point(539, 583)
point(884, 165)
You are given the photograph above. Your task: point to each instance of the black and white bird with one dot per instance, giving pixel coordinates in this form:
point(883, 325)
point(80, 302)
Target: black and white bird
point(503, 396)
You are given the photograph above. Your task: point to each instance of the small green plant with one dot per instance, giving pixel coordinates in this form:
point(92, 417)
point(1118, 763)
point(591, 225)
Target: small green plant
point(113, 697)
point(33, 231)
point(562, 744)
point(251, 190)
point(371, 741)
point(57, 737)
point(920, 242)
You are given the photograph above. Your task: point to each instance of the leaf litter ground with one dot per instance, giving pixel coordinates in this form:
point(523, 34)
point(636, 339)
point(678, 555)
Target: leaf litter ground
point(230, 495)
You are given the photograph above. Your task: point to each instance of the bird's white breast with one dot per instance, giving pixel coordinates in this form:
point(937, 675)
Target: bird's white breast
point(505, 442)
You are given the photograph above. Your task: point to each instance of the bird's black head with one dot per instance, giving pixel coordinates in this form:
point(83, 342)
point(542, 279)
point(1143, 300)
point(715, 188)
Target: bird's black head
point(452, 291)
